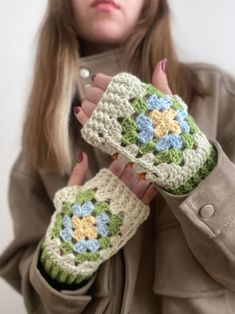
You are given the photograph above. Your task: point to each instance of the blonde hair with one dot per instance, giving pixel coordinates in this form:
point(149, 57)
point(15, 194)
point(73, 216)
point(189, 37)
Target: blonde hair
point(48, 138)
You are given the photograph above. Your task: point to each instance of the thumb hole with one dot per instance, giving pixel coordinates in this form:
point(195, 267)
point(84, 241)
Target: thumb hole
point(79, 171)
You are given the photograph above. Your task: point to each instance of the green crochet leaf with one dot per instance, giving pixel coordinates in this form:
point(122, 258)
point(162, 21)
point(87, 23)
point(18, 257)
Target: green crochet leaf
point(100, 208)
point(67, 208)
point(129, 138)
point(151, 90)
point(66, 247)
point(201, 174)
point(57, 226)
point(193, 127)
point(85, 196)
point(148, 147)
point(115, 222)
point(104, 243)
point(172, 155)
point(128, 124)
point(176, 105)
point(188, 140)
point(139, 105)
point(87, 256)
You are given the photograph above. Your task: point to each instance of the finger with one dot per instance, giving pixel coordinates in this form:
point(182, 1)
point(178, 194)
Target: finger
point(80, 115)
point(140, 188)
point(101, 80)
point(159, 78)
point(129, 177)
point(93, 94)
point(88, 107)
point(150, 193)
point(117, 167)
point(79, 171)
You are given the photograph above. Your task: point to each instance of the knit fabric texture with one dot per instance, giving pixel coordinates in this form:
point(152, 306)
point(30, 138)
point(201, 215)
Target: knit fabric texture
point(152, 131)
point(90, 224)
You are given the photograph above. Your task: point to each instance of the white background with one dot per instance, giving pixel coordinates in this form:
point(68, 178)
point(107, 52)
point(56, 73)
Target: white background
point(203, 30)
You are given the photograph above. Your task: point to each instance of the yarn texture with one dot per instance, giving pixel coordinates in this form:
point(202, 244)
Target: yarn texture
point(90, 224)
point(152, 131)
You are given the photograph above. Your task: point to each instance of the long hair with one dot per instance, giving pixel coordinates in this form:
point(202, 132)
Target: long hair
point(47, 134)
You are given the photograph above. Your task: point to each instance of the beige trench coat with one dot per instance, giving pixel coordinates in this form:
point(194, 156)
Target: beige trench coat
point(181, 260)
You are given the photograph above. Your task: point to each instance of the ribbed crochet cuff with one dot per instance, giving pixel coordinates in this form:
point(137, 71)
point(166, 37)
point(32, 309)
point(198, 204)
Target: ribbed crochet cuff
point(199, 176)
point(90, 224)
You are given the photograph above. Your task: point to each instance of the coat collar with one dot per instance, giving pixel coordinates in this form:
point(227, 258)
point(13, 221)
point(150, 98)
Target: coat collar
point(109, 63)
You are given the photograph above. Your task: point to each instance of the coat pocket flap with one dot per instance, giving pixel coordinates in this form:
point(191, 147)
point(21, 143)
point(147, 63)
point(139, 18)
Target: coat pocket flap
point(177, 272)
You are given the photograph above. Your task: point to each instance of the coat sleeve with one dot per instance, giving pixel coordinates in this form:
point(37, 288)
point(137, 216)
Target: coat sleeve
point(210, 230)
point(31, 209)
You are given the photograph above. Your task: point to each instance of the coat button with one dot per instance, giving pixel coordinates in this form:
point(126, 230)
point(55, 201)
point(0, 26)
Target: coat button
point(207, 211)
point(84, 73)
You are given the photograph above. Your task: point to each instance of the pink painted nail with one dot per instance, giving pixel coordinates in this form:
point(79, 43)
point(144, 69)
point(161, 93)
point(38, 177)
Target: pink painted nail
point(76, 110)
point(80, 157)
point(164, 65)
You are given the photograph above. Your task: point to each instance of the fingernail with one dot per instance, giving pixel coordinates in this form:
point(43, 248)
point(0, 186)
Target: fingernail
point(141, 176)
point(115, 156)
point(164, 65)
point(76, 110)
point(87, 85)
point(93, 77)
point(130, 165)
point(80, 157)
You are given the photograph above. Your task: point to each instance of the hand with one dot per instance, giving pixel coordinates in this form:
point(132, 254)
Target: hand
point(141, 188)
point(160, 142)
point(94, 92)
point(91, 223)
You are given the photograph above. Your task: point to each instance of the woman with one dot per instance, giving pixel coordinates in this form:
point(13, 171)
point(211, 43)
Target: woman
point(181, 259)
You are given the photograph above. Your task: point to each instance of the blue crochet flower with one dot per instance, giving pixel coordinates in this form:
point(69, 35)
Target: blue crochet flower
point(80, 246)
point(180, 118)
point(86, 245)
point(66, 234)
point(159, 103)
point(67, 222)
point(83, 210)
point(102, 219)
point(145, 125)
point(101, 224)
point(145, 135)
point(142, 121)
point(92, 245)
point(169, 141)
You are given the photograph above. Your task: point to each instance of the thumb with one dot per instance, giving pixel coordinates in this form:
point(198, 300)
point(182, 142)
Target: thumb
point(79, 171)
point(159, 78)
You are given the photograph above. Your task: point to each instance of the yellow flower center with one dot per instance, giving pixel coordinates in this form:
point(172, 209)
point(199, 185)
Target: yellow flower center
point(164, 122)
point(84, 227)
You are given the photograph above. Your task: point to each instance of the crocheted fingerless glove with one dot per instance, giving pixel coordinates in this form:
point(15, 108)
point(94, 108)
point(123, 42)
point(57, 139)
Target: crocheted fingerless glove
point(90, 224)
point(153, 132)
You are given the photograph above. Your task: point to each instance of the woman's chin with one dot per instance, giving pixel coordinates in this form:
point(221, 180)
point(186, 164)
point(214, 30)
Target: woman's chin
point(107, 33)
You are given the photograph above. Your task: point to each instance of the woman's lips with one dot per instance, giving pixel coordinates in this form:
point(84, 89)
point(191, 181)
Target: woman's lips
point(105, 5)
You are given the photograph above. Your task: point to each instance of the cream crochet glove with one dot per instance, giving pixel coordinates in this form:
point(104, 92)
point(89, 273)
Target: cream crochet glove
point(90, 224)
point(153, 132)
